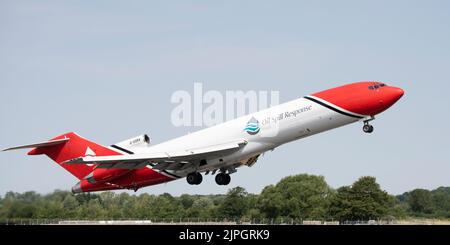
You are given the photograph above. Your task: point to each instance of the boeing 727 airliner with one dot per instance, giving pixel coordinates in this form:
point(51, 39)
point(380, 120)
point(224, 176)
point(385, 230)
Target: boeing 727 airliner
point(220, 149)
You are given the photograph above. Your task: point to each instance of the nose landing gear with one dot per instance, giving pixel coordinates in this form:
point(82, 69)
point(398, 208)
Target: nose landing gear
point(367, 128)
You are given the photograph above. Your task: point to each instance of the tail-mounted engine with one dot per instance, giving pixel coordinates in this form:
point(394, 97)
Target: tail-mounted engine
point(136, 142)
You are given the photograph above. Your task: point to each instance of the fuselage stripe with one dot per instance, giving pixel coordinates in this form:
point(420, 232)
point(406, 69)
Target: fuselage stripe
point(122, 149)
point(332, 108)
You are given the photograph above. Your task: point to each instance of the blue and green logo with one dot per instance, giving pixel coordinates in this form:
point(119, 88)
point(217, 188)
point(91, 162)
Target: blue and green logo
point(252, 127)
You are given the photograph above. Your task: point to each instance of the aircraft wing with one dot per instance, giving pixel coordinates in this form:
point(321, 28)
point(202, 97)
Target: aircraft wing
point(175, 160)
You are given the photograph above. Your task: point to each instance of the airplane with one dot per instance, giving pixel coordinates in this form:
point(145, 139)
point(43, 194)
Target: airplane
point(220, 149)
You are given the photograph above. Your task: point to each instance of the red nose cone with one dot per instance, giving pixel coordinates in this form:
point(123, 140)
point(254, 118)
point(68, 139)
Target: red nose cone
point(362, 98)
point(398, 92)
point(391, 95)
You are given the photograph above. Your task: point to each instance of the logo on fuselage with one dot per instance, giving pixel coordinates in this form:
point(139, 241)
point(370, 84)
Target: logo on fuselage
point(252, 127)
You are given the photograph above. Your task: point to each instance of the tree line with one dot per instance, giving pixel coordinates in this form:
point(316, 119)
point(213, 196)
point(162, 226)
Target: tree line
point(299, 197)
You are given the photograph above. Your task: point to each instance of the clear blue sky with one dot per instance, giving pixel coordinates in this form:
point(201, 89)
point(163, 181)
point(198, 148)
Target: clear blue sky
point(107, 69)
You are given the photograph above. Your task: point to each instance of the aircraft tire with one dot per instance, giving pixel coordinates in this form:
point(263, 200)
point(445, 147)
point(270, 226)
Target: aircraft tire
point(220, 178)
point(198, 179)
point(192, 178)
point(367, 128)
point(223, 179)
point(227, 179)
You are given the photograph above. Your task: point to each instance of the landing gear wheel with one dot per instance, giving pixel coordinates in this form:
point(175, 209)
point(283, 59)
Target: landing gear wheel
point(190, 178)
point(223, 179)
point(199, 179)
point(227, 179)
point(367, 128)
point(194, 178)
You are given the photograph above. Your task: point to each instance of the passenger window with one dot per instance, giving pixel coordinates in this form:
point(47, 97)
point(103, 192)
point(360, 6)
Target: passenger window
point(376, 86)
point(371, 87)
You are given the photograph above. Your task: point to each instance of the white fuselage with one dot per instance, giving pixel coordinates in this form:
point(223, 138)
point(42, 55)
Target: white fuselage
point(134, 163)
point(277, 125)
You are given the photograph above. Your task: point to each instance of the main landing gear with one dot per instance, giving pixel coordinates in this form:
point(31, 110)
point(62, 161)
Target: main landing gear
point(367, 128)
point(194, 178)
point(223, 179)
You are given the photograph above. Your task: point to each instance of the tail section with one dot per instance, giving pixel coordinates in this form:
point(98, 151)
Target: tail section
point(72, 146)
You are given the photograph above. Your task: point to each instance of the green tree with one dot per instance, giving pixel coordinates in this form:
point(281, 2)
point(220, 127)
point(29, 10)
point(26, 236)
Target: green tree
point(425, 203)
point(364, 200)
point(253, 211)
point(165, 206)
point(70, 206)
point(397, 209)
point(201, 208)
point(271, 202)
point(16, 205)
point(441, 202)
point(187, 200)
point(235, 204)
point(298, 197)
point(93, 210)
point(142, 206)
point(420, 201)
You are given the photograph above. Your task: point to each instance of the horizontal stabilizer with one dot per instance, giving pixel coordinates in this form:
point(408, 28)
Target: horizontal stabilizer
point(68, 146)
point(41, 144)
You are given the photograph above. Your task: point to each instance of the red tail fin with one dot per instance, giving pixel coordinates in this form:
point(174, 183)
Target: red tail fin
point(76, 146)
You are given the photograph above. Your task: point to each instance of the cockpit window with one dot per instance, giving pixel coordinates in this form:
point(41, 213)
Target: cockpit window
point(377, 86)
